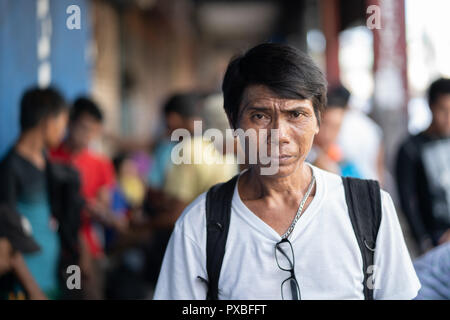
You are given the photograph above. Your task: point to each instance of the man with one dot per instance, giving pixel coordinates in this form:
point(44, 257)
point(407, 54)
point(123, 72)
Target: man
point(97, 179)
point(274, 248)
point(186, 181)
point(423, 173)
point(361, 142)
point(178, 110)
point(325, 152)
point(26, 181)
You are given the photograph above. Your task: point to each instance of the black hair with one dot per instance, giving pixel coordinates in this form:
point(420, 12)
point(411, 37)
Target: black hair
point(187, 104)
point(337, 97)
point(85, 106)
point(286, 71)
point(438, 88)
point(38, 104)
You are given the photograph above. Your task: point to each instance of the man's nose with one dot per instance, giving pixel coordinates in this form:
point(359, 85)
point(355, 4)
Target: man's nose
point(282, 131)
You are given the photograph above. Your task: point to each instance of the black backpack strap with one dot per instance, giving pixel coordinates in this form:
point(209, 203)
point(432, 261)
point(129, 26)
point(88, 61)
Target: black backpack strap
point(218, 211)
point(364, 207)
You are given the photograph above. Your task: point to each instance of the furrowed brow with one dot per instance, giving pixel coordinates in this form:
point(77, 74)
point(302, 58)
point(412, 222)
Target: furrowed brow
point(257, 108)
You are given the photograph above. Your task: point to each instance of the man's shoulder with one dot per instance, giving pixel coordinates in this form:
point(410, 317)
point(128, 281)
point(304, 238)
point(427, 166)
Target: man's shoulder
point(61, 171)
point(410, 147)
point(332, 181)
point(10, 161)
point(6, 159)
point(439, 256)
point(414, 140)
point(386, 200)
point(193, 217)
point(335, 185)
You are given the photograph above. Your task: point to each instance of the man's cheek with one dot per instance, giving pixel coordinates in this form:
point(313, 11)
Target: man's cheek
point(305, 143)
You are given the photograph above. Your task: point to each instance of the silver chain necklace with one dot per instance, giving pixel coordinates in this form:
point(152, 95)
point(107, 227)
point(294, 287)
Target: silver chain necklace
point(300, 208)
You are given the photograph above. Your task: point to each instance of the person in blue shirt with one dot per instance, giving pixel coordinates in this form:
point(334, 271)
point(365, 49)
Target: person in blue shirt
point(433, 270)
point(325, 152)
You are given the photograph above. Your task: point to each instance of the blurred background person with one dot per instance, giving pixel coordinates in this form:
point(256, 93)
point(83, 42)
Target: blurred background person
point(97, 180)
point(170, 187)
point(325, 152)
point(24, 183)
point(433, 270)
point(206, 165)
point(423, 173)
point(361, 142)
point(127, 196)
point(125, 273)
point(183, 182)
point(177, 110)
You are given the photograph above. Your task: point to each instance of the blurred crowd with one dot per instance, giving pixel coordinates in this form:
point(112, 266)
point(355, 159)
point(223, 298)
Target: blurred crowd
point(63, 204)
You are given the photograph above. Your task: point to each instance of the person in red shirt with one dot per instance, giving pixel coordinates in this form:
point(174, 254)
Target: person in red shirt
point(97, 179)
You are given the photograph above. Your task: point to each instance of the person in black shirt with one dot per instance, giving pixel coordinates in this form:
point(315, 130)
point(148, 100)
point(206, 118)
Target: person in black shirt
point(423, 173)
point(44, 195)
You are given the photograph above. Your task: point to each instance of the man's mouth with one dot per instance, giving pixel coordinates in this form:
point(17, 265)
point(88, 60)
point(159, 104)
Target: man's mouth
point(282, 158)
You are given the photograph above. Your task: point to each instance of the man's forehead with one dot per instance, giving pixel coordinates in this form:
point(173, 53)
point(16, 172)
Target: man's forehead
point(444, 99)
point(261, 96)
point(89, 119)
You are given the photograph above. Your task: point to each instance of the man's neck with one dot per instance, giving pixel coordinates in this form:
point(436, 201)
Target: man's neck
point(31, 146)
point(432, 132)
point(263, 186)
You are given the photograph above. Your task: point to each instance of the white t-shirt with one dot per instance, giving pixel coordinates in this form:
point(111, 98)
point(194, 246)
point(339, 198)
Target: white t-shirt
point(328, 261)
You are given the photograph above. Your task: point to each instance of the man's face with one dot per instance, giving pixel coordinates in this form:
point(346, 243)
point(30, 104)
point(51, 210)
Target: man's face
point(441, 115)
point(54, 129)
point(189, 123)
point(329, 129)
point(173, 121)
point(84, 130)
point(295, 121)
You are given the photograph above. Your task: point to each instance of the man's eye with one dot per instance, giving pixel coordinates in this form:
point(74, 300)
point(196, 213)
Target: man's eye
point(296, 114)
point(258, 116)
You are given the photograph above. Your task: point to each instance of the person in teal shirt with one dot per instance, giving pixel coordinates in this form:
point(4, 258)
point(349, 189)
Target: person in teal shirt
point(23, 182)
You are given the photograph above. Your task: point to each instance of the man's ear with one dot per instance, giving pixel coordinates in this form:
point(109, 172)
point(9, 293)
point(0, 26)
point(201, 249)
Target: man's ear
point(318, 121)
